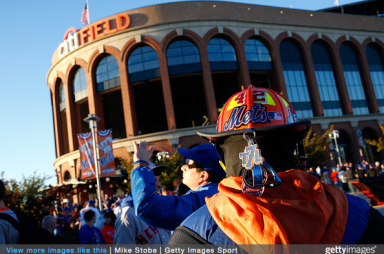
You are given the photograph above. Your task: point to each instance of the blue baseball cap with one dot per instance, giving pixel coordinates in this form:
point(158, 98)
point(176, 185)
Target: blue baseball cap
point(207, 157)
point(91, 202)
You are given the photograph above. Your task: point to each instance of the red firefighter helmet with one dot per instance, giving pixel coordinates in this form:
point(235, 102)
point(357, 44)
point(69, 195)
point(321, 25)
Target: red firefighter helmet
point(261, 109)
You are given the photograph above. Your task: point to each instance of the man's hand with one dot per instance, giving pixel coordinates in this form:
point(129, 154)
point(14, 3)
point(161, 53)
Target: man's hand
point(142, 151)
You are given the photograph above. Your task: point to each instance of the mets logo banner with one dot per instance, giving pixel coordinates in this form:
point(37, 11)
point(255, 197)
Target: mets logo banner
point(87, 156)
point(107, 160)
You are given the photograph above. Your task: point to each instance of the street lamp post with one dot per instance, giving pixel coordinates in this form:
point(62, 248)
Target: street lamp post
point(334, 135)
point(92, 120)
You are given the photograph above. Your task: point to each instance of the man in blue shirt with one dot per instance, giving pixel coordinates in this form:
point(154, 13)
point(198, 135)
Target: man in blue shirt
point(89, 234)
point(201, 174)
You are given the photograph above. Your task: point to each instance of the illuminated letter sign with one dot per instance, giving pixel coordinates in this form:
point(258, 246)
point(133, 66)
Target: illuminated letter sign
point(70, 43)
point(74, 38)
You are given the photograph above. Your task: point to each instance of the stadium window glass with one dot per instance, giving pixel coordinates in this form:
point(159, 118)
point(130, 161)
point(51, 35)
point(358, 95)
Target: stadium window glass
point(143, 64)
point(353, 79)
point(79, 85)
point(222, 55)
point(61, 96)
point(142, 59)
point(107, 74)
point(258, 55)
point(182, 52)
point(324, 70)
point(294, 74)
point(183, 57)
point(220, 49)
point(376, 68)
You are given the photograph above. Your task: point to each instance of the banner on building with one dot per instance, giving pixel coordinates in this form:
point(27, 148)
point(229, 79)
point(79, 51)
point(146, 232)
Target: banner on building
point(107, 160)
point(87, 156)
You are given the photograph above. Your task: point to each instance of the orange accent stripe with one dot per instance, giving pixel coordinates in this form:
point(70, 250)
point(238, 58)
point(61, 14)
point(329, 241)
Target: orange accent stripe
point(140, 164)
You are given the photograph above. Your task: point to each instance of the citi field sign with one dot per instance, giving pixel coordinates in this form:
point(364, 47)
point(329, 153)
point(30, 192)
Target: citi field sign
point(74, 38)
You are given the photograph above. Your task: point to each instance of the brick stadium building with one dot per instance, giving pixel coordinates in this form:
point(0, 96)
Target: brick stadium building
point(161, 73)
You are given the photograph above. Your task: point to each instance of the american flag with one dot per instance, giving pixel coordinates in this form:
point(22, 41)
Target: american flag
point(85, 15)
point(336, 2)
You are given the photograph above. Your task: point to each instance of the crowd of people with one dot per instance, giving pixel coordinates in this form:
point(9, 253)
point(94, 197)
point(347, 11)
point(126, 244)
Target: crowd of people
point(117, 223)
point(343, 174)
point(244, 188)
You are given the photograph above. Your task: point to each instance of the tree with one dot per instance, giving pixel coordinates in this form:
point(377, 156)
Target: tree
point(315, 147)
point(173, 171)
point(167, 177)
point(26, 194)
point(379, 143)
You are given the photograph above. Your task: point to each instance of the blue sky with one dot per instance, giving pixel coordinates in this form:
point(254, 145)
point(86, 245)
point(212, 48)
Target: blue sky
point(30, 33)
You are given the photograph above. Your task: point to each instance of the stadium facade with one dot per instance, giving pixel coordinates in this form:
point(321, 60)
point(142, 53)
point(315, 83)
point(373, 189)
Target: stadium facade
point(161, 73)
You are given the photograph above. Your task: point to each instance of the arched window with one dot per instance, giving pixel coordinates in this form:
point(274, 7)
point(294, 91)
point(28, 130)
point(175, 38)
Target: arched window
point(79, 85)
point(62, 120)
point(353, 79)
point(107, 74)
point(294, 75)
point(376, 69)
point(224, 67)
point(143, 64)
point(67, 176)
point(222, 55)
point(258, 55)
point(61, 96)
point(324, 71)
point(108, 77)
point(183, 57)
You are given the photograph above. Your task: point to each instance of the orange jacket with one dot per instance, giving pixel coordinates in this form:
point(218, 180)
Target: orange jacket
point(334, 176)
point(300, 210)
point(108, 233)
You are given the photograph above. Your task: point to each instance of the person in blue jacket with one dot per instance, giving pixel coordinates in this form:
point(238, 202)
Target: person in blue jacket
point(89, 234)
point(201, 174)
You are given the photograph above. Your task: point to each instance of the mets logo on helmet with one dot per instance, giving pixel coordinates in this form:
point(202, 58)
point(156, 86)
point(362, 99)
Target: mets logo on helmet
point(239, 117)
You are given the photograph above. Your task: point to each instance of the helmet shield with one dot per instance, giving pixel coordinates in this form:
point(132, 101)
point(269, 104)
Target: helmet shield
point(277, 150)
point(273, 120)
